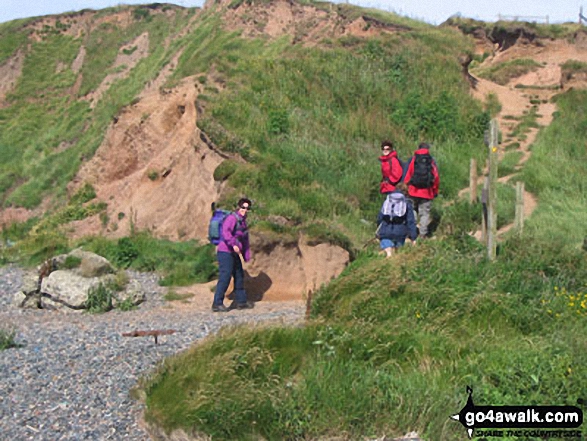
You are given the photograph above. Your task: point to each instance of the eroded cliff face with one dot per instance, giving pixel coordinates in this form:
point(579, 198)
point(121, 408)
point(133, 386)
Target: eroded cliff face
point(291, 271)
point(153, 170)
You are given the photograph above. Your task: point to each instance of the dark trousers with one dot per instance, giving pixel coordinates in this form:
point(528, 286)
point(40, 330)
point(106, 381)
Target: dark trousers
point(230, 265)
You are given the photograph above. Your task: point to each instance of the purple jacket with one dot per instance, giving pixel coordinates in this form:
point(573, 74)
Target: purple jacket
point(234, 234)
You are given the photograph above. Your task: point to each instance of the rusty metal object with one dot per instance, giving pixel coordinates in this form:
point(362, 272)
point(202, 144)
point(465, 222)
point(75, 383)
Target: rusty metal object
point(155, 333)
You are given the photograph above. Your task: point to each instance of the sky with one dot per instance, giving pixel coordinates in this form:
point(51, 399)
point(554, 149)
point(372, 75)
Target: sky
point(434, 12)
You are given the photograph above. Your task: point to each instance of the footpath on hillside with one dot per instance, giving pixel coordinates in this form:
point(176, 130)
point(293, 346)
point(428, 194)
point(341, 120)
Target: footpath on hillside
point(526, 97)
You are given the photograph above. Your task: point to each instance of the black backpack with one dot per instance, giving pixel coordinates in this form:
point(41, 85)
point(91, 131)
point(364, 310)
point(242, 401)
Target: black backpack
point(423, 176)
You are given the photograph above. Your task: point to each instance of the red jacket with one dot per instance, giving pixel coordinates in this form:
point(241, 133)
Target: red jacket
point(391, 172)
point(424, 193)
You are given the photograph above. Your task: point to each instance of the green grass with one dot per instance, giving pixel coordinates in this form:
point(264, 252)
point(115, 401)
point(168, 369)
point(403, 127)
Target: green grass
point(172, 296)
point(525, 124)
point(566, 31)
point(7, 339)
point(309, 120)
point(552, 175)
point(508, 163)
point(180, 263)
point(42, 116)
point(503, 73)
point(391, 348)
point(391, 345)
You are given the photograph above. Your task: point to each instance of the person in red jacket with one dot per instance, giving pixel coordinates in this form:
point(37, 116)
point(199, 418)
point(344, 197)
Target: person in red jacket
point(391, 168)
point(423, 182)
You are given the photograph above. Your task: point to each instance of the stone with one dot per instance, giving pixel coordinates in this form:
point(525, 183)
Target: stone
point(66, 289)
point(28, 296)
point(92, 265)
point(132, 294)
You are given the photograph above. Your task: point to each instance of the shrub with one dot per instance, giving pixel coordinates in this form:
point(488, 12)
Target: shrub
point(72, 262)
point(224, 170)
point(7, 339)
point(126, 252)
point(99, 299)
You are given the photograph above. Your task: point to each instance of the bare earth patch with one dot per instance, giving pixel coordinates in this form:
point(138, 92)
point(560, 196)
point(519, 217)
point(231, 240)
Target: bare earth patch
point(10, 72)
point(532, 89)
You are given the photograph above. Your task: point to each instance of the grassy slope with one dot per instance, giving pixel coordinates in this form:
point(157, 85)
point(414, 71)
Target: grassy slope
point(392, 348)
point(308, 120)
point(393, 345)
point(42, 115)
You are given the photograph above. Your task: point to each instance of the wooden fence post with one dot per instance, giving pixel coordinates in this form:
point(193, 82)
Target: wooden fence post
point(519, 219)
point(484, 198)
point(492, 191)
point(473, 181)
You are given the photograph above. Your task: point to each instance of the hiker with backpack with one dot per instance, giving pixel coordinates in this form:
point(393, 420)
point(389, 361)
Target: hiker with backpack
point(423, 182)
point(396, 221)
point(233, 242)
point(391, 168)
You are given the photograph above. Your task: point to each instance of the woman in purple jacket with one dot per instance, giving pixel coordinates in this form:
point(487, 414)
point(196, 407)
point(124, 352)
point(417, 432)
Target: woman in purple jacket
point(234, 243)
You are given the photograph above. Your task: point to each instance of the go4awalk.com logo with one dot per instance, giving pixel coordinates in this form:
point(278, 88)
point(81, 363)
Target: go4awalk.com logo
point(541, 422)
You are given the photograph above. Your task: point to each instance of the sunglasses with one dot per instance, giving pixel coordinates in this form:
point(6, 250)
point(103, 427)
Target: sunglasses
point(245, 208)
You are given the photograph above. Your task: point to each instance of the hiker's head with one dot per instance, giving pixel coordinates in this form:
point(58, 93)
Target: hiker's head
point(424, 145)
point(403, 187)
point(387, 147)
point(243, 206)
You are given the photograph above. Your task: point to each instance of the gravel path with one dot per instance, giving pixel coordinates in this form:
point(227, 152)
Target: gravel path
point(71, 378)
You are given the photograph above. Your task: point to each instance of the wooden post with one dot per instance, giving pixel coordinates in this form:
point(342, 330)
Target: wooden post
point(484, 197)
point(473, 181)
point(492, 191)
point(519, 220)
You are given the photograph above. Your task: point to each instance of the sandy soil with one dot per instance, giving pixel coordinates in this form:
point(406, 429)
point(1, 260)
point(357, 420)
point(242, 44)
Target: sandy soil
point(515, 98)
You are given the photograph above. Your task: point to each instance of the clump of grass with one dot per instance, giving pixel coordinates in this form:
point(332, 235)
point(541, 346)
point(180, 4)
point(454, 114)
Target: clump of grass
point(99, 299)
point(526, 122)
point(508, 164)
point(172, 296)
point(503, 73)
point(8, 339)
point(492, 104)
point(72, 262)
point(224, 170)
point(179, 263)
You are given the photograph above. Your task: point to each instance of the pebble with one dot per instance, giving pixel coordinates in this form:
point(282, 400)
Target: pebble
point(72, 375)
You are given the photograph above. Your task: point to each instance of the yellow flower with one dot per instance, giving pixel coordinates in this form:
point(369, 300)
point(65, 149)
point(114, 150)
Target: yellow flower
point(418, 315)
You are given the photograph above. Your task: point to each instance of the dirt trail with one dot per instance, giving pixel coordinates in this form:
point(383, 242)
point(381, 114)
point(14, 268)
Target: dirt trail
point(522, 96)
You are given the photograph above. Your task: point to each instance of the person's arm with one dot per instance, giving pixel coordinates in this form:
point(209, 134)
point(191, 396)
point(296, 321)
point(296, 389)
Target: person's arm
point(386, 170)
point(436, 185)
point(228, 228)
point(396, 171)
